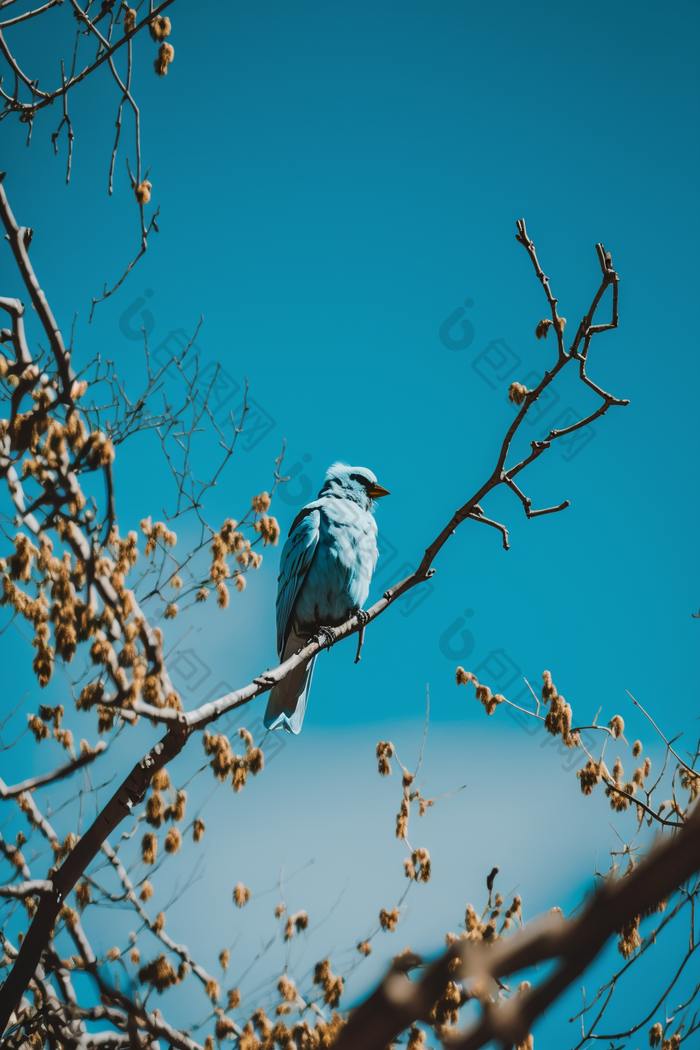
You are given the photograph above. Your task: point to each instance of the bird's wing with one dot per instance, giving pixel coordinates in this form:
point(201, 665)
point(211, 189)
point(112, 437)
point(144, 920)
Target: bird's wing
point(297, 555)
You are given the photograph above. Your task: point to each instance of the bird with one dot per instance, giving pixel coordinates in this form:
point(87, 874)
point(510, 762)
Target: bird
point(326, 568)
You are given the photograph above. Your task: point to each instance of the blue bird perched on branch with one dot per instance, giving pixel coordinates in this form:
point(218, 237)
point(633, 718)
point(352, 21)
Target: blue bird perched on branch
point(325, 572)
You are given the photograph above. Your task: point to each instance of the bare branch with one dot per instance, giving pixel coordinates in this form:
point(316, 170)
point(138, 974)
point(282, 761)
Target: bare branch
point(84, 759)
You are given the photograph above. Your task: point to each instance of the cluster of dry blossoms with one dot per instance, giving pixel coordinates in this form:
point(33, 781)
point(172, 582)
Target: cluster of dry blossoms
point(622, 793)
point(228, 541)
point(417, 866)
point(478, 928)
point(65, 600)
point(444, 1015)
point(656, 1038)
point(77, 592)
point(162, 972)
point(225, 762)
point(258, 1032)
point(159, 29)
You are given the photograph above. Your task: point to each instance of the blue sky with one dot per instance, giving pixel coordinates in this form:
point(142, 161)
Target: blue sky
point(335, 181)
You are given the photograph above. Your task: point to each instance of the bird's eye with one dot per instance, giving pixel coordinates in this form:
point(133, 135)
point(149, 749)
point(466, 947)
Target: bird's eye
point(362, 480)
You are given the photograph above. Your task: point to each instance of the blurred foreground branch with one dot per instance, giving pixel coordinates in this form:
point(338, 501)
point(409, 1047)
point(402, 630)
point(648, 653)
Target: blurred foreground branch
point(398, 1002)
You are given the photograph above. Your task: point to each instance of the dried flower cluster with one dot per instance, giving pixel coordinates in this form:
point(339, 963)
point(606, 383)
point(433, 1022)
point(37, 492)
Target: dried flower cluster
point(225, 762)
point(388, 919)
point(296, 923)
point(159, 28)
point(241, 894)
point(332, 985)
point(166, 54)
point(483, 693)
point(546, 323)
point(558, 718)
point(159, 973)
point(300, 1036)
point(418, 867)
point(558, 722)
point(385, 750)
point(656, 1038)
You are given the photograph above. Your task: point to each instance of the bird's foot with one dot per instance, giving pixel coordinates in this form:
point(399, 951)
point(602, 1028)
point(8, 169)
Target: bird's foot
point(327, 635)
point(362, 616)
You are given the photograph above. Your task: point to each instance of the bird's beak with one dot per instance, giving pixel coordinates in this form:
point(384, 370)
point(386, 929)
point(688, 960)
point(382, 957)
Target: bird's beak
point(377, 491)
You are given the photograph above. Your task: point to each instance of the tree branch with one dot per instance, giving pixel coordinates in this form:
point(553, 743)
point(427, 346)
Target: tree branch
point(575, 943)
point(59, 773)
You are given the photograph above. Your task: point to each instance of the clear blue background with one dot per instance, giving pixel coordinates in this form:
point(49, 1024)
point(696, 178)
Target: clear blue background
point(334, 182)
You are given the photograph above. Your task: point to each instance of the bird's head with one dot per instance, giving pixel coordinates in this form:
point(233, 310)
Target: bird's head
point(356, 483)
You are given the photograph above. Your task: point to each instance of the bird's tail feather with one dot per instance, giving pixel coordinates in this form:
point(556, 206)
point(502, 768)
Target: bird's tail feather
point(286, 705)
